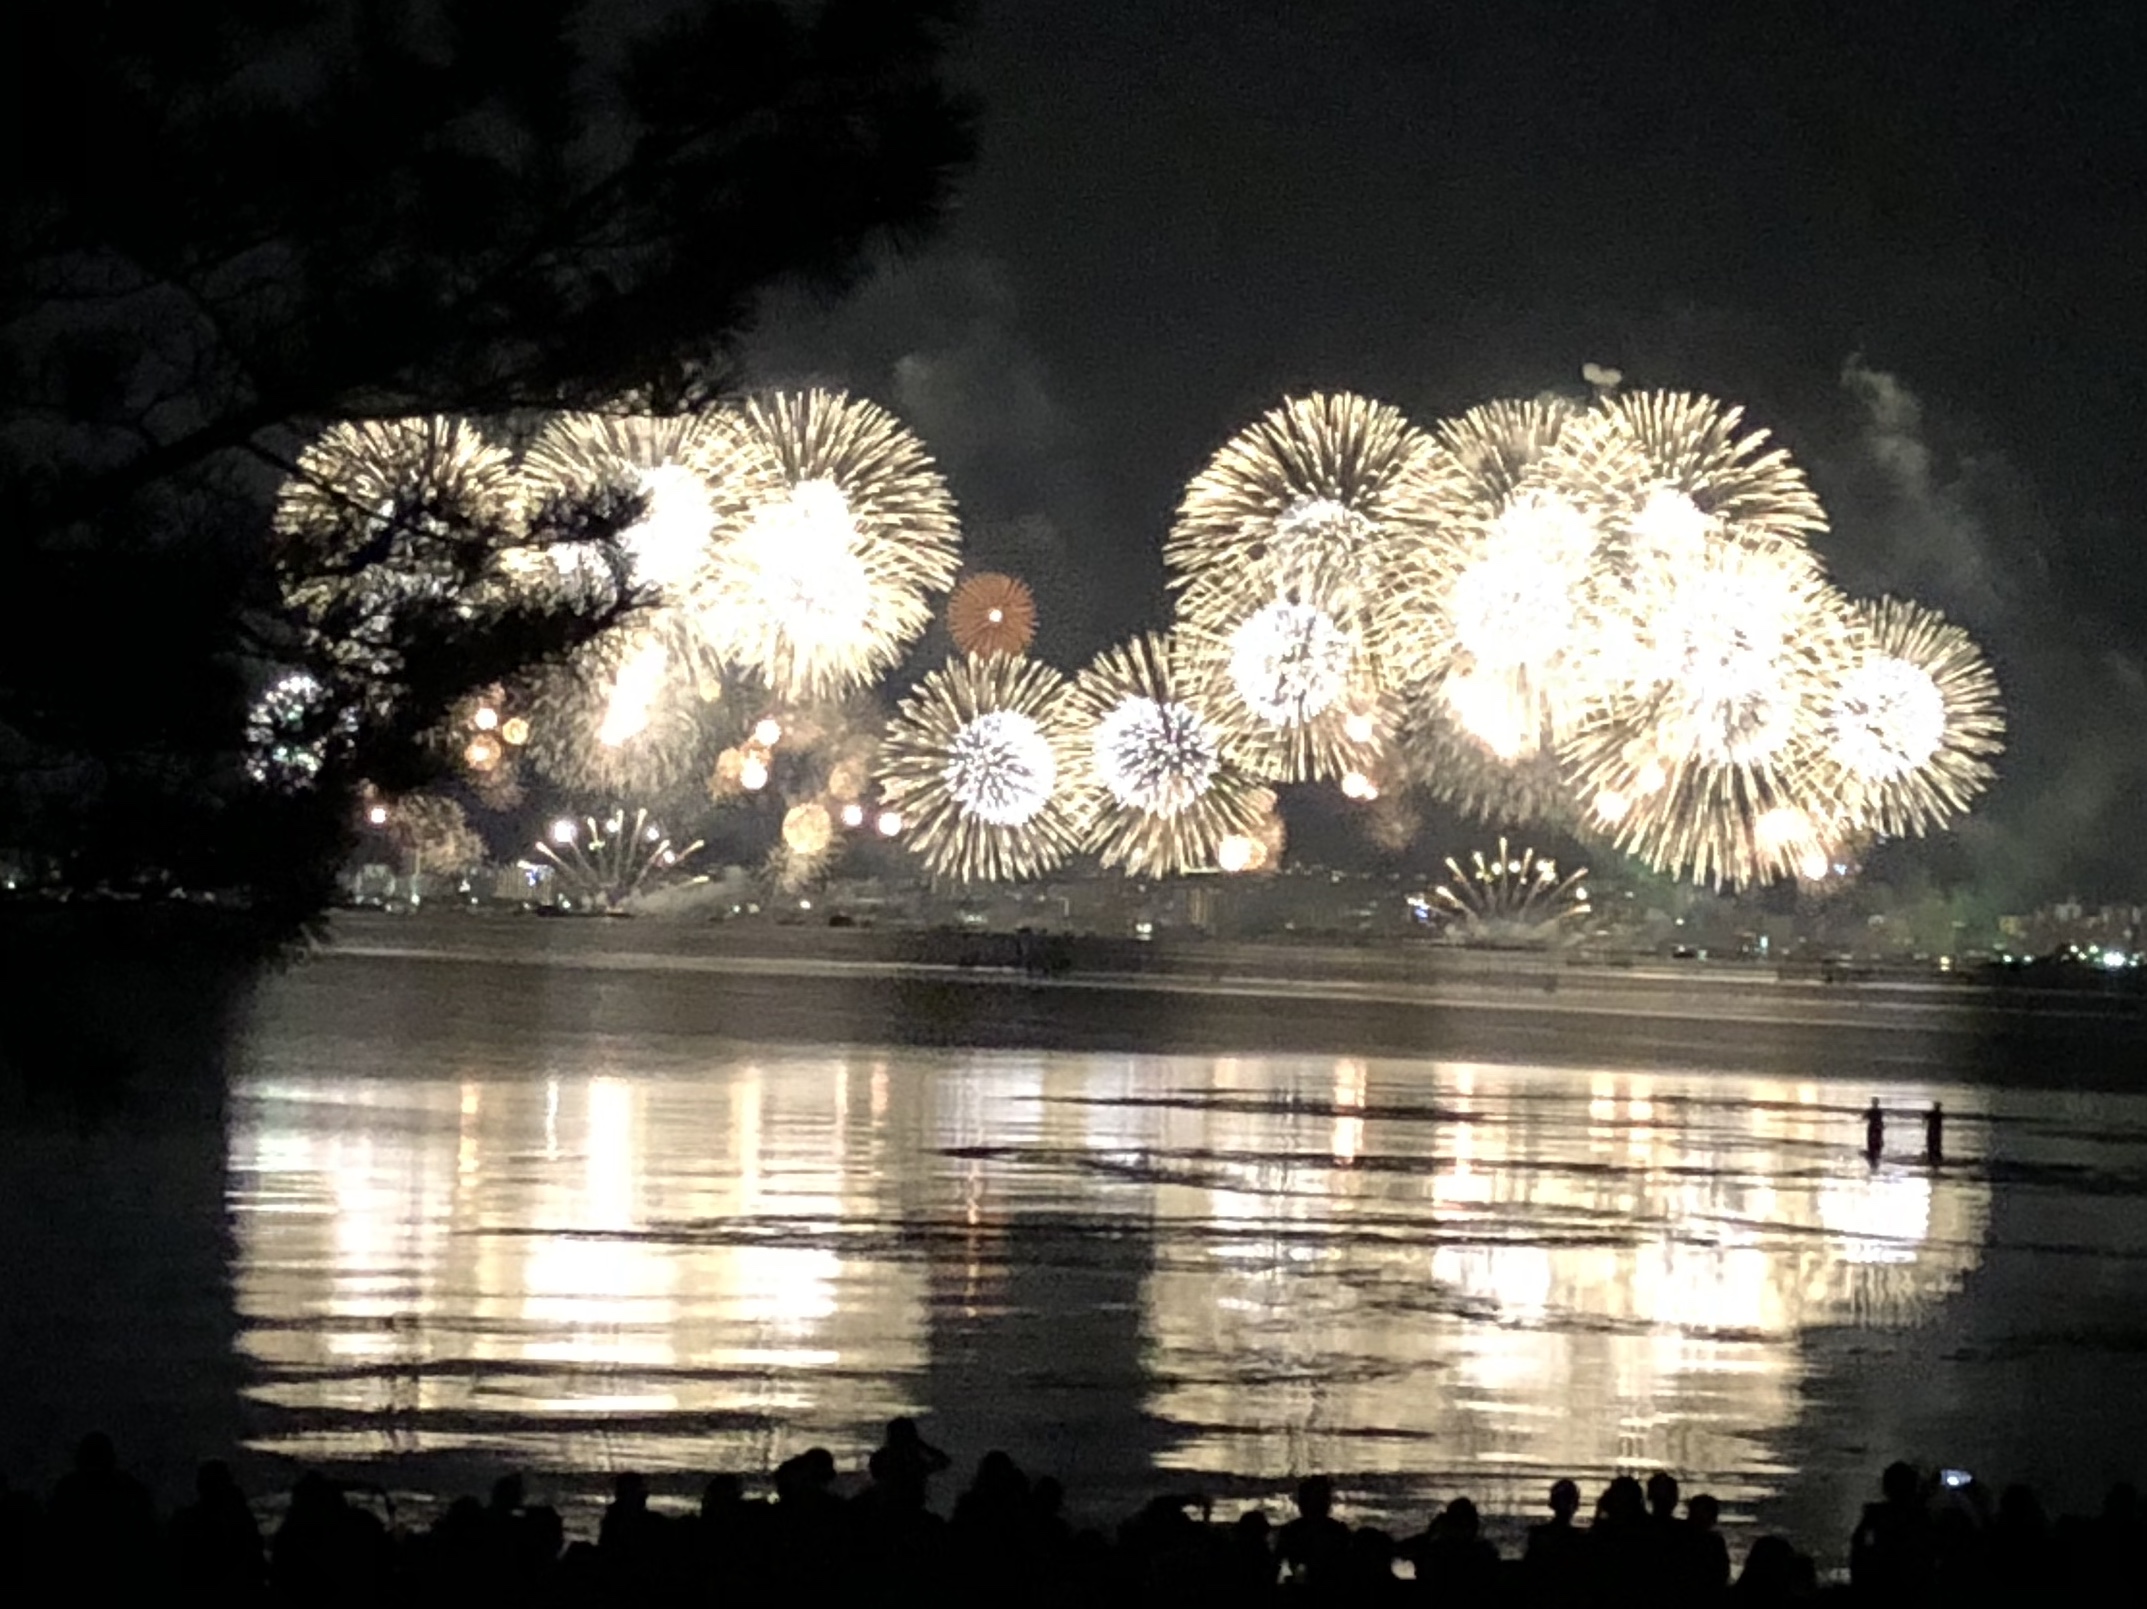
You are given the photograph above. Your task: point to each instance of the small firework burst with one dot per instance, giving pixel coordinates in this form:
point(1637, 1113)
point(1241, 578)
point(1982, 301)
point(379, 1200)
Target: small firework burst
point(292, 731)
point(820, 575)
point(1509, 898)
point(975, 769)
point(1913, 721)
point(1159, 794)
point(603, 862)
point(386, 515)
point(991, 614)
point(676, 462)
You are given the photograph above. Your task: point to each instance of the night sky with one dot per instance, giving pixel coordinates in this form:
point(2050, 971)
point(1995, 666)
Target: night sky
point(1910, 238)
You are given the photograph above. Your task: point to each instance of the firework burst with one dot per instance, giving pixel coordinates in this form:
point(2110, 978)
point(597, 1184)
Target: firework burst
point(1289, 686)
point(603, 862)
point(626, 713)
point(991, 614)
point(678, 463)
point(292, 730)
point(1913, 721)
point(843, 526)
point(1719, 731)
point(1160, 796)
point(1489, 607)
point(385, 515)
point(976, 765)
point(1509, 898)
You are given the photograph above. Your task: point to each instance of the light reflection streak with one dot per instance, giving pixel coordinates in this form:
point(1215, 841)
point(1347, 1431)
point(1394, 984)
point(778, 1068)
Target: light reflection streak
point(1505, 1272)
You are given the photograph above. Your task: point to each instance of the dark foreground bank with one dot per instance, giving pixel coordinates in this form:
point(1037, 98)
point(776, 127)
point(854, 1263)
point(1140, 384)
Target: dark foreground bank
point(1941, 1540)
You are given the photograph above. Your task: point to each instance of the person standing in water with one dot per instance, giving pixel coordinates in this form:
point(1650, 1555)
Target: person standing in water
point(1874, 1132)
point(1934, 1134)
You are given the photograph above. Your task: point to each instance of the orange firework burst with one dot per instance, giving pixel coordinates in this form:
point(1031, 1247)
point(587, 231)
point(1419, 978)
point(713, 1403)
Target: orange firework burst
point(991, 614)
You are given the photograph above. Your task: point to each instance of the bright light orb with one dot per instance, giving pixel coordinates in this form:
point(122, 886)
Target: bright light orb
point(515, 730)
point(1000, 768)
point(1289, 662)
point(1356, 785)
point(767, 731)
point(1239, 853)
point(889, 823)
point(853, 815)
point(377, 815)
point(1155, 757)
point(485, 719)
point(563, 830)
point(1889, 719)
point(807, 829)
point(752, 773)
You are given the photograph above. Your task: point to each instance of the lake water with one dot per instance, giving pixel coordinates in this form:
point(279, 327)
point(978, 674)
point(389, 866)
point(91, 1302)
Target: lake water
point(581, 1219)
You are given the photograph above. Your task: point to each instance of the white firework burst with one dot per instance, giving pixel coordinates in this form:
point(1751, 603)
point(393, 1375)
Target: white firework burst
point(974, 767)
point(822, 570)
point(678, 463)
point(1913, 721)
point(1159, 796)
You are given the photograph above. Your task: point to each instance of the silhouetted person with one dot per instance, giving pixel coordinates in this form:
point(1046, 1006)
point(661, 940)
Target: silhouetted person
point(1311, 1546)
point(911, 1457)
point(1704, 1557)
point(100, 1525)
point(1554, 1566)
point(326, 1551)
point(1874, 1133)
point(1890, 1552)
point(2022, 1563)
point(1773, 1575)
point(1251, 1558)
point(1454, 1564)
point(1934, 1134)
point(216, 1542)
point(1621, 1545)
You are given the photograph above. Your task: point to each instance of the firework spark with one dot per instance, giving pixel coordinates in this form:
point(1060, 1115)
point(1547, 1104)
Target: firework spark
point(1913, 721)
point(1509, 899)
point(819, 579)
point(975, 768)
point(1159, 795)
point(991, 614)
point(602, 863)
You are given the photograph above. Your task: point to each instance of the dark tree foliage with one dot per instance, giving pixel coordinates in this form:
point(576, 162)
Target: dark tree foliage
point(229, 226)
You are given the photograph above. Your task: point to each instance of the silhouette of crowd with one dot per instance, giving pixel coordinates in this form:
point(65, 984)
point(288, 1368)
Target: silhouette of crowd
point(1005, 1541)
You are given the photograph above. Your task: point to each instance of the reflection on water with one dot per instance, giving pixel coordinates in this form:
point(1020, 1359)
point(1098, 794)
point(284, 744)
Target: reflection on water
point(1418, 1274)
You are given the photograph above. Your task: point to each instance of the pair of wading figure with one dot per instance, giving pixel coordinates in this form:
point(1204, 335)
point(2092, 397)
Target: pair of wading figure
point(1934, 1133)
